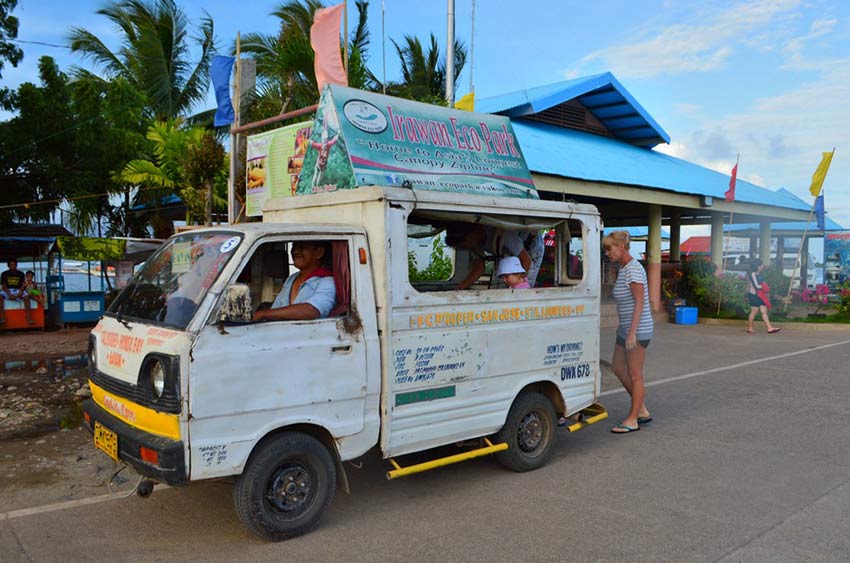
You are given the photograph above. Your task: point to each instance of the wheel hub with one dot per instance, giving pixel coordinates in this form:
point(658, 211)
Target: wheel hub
point(531, 432)
point(290, 487)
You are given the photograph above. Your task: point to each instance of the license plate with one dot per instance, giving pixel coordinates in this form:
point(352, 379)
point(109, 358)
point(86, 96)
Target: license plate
point(106, 440)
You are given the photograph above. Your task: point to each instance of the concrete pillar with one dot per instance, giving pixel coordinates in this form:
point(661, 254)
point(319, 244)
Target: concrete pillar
point(804, 265)
point(752, 248)
point(653, 256)
point(780, 251)
point(764, 242)
point(675, 235)
point(717, 240)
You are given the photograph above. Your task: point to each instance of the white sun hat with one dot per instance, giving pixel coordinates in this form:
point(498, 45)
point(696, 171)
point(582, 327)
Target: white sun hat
point(509, 265)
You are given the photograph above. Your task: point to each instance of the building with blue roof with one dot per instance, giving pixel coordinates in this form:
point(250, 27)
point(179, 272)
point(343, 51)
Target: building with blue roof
point(589, 140)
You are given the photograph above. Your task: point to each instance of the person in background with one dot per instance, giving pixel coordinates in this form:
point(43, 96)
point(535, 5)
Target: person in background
point(511, 272)
point(634, 330)
point(13, 288)
point(757, 298)
point(33, 289)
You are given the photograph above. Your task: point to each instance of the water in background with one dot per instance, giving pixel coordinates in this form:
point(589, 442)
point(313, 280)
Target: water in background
point(73, 281)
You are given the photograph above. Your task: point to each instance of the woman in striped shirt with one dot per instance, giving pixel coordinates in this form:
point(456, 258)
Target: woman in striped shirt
point(634, 330)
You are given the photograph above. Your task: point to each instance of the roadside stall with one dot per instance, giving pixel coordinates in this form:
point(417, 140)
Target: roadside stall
point(26, 249)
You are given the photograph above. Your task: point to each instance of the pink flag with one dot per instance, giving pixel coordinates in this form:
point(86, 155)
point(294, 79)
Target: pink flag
point(729, 195)
point(324, 37)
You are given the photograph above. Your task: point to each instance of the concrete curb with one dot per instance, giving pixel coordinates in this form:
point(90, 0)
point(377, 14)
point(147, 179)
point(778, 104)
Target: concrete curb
point(782, 322)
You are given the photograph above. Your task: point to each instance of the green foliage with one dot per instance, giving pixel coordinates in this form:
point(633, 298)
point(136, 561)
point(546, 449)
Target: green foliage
point(423, 71)
point(440, 267)
point(188, 161)
point(156, 54)
point(777, 281)
point(712, 292)
point(8, 30)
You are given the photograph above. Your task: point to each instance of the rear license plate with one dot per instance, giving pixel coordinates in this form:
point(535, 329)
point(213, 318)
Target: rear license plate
point(106, 440)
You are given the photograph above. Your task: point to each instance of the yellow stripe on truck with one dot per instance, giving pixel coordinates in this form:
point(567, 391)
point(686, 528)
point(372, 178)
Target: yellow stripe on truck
point(143, 418)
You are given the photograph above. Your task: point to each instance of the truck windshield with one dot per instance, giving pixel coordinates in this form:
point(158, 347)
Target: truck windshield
point(172, 283)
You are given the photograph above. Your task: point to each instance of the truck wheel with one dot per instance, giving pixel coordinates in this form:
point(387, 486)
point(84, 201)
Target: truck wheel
point(529, 432)
point(286, 487)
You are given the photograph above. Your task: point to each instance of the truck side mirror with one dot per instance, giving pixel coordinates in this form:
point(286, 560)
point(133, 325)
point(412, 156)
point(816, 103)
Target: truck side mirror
point(236, 306)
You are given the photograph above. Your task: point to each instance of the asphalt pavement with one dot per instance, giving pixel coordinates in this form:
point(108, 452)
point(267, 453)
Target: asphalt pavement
point(746, 460)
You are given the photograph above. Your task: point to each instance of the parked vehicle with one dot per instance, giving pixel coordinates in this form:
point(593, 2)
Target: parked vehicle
point(186, 387)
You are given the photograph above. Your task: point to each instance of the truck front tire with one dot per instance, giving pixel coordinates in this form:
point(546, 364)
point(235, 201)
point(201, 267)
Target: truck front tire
point(286, 487)
point(529, 432)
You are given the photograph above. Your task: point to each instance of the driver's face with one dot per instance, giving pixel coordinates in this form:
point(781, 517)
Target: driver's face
point(306, 255)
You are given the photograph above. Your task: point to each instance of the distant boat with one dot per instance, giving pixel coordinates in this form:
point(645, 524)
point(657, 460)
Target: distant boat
point(95, 271)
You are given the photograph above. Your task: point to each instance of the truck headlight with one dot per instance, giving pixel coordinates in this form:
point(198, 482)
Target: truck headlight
point(157, 378)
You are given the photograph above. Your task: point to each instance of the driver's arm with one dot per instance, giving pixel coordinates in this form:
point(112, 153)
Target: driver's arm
point(298, 312)
point(474, 273)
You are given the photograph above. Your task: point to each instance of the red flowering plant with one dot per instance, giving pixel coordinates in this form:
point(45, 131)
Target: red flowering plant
point(817, 297)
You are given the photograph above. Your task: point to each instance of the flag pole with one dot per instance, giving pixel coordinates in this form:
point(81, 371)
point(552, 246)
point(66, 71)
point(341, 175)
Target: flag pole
point(345, 35)
point(731, 215)
point(450, 55)
point(383, 49)
point(803, 242)
point(232, 216)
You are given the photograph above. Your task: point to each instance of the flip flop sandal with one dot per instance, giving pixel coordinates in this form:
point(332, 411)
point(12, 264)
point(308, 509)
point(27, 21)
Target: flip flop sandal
point(623, 429)
point(774, 331)
point(644, 419)
point(751, 332)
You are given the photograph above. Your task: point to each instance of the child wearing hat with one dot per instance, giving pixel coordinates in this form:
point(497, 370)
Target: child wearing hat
point(512, 273)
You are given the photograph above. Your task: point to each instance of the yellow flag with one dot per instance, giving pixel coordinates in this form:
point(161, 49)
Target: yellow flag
point(466, 103)
point(820, 174)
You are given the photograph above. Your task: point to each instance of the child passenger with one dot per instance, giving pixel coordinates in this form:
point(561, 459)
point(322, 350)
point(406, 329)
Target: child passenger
point(512, 273)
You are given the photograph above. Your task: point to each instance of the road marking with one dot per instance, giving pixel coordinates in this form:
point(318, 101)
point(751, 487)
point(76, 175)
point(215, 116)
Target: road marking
point(103, 498)
point(727, 368)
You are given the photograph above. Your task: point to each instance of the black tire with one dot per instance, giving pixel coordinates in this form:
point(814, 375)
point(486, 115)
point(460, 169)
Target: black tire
point(286, 487)
point(529, 432)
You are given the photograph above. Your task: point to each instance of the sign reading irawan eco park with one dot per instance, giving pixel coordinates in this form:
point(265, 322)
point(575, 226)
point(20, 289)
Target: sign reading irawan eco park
point(363, 139)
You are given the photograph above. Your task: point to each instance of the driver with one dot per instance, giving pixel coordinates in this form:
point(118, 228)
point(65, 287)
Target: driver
point(307, 294)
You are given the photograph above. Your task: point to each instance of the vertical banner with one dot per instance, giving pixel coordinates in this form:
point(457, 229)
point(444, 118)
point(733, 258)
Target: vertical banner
point(275, 160)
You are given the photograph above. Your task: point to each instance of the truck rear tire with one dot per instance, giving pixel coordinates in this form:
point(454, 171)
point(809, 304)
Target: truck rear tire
point(286, 487)
point(529, 432)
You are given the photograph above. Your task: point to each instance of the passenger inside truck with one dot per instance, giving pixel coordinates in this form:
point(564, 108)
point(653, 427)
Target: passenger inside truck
point(446, 252)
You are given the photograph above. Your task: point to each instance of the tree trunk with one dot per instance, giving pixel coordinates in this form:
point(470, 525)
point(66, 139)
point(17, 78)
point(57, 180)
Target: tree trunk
point(208, 185)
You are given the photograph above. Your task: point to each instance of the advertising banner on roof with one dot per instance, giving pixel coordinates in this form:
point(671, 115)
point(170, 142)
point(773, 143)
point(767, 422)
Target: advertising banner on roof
point(836, 259)
point(274, 163)
point(363, 139)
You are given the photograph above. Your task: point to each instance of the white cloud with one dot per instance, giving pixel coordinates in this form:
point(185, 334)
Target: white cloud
point(705, 43)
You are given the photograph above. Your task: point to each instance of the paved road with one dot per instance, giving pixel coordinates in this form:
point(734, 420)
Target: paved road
point(747, 460)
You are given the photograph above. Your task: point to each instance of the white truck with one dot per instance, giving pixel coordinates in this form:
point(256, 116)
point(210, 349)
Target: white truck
point(187, 388)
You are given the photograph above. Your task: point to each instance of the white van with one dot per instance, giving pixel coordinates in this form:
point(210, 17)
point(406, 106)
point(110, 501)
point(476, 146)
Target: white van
point(186, 387)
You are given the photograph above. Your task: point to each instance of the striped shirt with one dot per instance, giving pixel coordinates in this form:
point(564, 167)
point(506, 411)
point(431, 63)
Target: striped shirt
point(632, 272)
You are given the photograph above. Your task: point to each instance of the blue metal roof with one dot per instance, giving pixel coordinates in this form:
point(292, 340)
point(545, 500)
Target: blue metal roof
point(575, 154)
point(800, 226)
point(601, 94)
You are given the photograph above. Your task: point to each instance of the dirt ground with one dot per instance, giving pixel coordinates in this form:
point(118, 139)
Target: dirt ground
point(45, 454)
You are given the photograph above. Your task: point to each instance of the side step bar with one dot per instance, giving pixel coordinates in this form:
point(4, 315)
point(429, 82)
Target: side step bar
point(590, 415)
point(400, 471)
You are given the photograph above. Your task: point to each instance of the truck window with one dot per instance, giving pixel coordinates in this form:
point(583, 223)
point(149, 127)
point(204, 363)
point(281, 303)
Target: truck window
point(447, 250)
point(271, 264)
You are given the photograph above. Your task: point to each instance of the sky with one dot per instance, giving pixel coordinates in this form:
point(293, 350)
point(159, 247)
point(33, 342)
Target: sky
point(769, 80)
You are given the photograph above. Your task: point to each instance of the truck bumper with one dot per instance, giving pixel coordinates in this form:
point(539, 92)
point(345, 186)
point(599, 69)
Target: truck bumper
point(171, 465)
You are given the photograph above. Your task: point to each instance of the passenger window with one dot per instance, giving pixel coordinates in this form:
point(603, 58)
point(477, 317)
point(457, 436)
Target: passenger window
point(450, 251)
point(272, 264)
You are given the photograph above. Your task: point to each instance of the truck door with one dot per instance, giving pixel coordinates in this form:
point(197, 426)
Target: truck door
point(251, 378)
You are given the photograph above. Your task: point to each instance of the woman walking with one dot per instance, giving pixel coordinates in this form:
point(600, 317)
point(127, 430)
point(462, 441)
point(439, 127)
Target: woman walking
point(634, 330)
point(757, 298)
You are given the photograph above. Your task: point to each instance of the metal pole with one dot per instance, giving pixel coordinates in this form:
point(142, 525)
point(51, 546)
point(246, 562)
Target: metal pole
point(383, 49)
point(472, 52)
point(345, 35)
point(234, 145)
point(450, 56)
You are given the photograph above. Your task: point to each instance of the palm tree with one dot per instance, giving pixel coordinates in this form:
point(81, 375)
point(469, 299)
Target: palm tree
point(286, 79)
point(424, 72)
point(154, 55)
point(188, 161)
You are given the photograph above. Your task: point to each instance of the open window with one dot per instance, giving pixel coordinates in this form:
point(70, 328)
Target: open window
point(445, 247)
point(271, 265)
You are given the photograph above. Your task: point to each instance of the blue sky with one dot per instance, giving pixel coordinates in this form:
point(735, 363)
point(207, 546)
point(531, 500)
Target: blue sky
point(767, 79)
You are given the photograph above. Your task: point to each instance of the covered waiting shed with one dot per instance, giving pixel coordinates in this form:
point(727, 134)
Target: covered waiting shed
point(590, 141)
